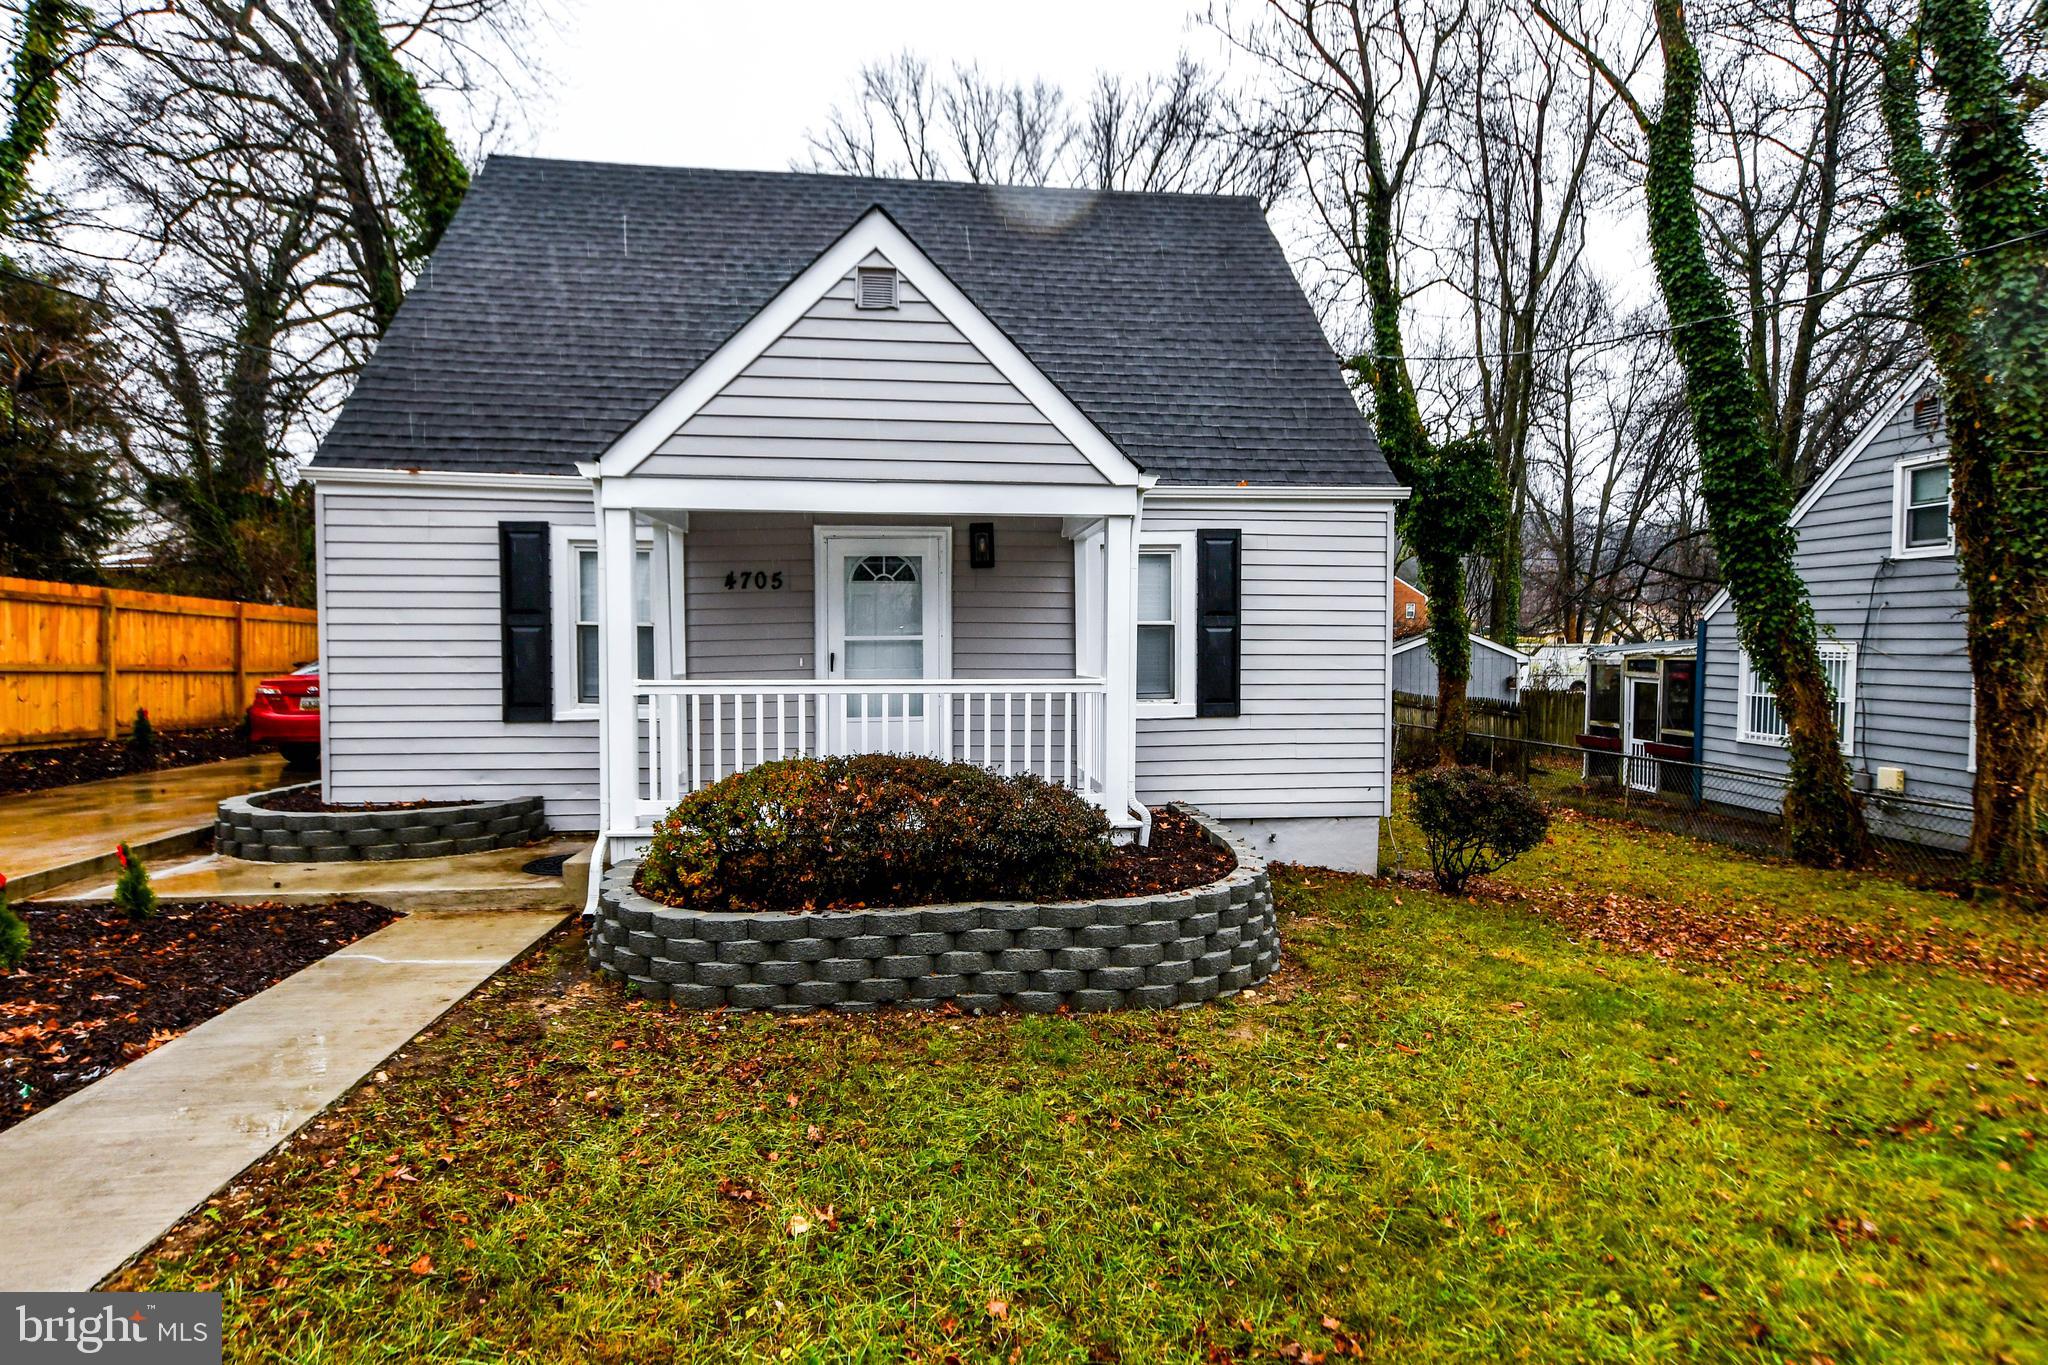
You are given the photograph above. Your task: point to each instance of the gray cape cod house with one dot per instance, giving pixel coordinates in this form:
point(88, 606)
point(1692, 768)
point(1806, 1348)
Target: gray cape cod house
point(1877, 551)
point(662, 473)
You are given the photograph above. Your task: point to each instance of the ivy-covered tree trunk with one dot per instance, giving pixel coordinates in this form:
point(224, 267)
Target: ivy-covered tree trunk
point(32, 96)
point(1454, 503)
point(1747, 499)
point(1984, 320)
point(435, 178)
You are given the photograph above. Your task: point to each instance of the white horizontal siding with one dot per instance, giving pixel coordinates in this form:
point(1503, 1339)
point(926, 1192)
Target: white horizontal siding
point(1905, 616)
point(410, 667)
point(1015, 620)
point(1311, 736)
point(874, 395)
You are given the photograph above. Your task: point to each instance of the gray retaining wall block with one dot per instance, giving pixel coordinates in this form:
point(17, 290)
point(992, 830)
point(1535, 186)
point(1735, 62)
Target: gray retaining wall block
point(1137, 952)
point(246, 830)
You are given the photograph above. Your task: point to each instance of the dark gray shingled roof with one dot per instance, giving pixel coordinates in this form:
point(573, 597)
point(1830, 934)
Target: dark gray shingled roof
point(567, 298)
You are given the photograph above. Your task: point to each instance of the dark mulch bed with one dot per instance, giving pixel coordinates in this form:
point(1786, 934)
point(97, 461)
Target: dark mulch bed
point(306, 800)
point(29, 770)
point(99, 990)
point(1179, 856)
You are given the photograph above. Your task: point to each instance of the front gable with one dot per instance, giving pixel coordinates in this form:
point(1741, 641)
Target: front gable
point(816, 388)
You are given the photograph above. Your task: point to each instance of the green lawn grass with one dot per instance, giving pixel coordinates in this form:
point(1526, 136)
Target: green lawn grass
point(1450, 1130)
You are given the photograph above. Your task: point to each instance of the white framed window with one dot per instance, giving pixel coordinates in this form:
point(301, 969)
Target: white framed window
point(578, 609)
point(1165, 652)
point(1921, 525)
point(1759, 721)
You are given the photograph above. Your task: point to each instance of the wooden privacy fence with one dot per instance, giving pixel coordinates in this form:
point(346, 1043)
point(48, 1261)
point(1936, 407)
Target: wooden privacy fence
point(78, 662)
point(1552, 717)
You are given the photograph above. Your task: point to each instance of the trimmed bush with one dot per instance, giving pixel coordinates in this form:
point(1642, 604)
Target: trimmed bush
point(874, 829)
point(1475, 822)
point(14, 938)
point(142, 750)
point(132, 891)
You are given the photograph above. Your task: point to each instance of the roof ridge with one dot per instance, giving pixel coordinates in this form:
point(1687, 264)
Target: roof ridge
point(1077, 191)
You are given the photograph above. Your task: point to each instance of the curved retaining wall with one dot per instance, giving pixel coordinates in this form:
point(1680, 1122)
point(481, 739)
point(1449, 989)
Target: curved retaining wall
point(1176, 948)
point(246, 830)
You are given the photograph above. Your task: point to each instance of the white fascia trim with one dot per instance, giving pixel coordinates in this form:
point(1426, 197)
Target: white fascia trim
point(1923, 372)
point(442, 480)
point(874, 232)
point(1280, 492)
point(1421, 637)
point(656, 492)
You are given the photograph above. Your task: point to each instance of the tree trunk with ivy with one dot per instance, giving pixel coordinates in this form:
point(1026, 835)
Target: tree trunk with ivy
point(32, 96)
point(435, 178)
point(1984, 320)
point(1454, 503)
point(1748, 501)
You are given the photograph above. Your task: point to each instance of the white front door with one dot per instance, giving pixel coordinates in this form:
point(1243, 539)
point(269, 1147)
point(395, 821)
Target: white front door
point(886, 619)
point(1641, 717)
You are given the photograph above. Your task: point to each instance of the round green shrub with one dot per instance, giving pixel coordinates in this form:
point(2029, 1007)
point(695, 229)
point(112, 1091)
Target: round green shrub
point(1475, 822)
point(873, 829)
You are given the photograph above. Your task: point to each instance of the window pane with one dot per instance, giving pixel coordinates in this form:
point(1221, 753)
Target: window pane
point(884, 596)
point(1930, 484)
point(586, 663)
point(1155, 587)
point(1927, 525)
point(1155, 663)
point(645, 641)
point(884, 659)
point(586, 585)
point(1606, 695)
point(643, 589)
point(1678, 676)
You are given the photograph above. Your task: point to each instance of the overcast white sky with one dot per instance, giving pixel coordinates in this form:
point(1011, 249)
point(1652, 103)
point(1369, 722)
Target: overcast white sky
point(736, 83)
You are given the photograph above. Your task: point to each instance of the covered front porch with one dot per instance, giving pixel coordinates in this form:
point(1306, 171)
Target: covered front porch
point(993, 626)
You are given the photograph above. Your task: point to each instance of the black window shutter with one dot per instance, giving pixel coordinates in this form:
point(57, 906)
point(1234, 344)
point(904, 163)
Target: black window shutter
point(1219, 627)
point(526, 629)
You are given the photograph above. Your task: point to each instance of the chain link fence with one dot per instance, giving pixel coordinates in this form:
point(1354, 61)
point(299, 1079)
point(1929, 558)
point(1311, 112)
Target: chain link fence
point(1740, 807)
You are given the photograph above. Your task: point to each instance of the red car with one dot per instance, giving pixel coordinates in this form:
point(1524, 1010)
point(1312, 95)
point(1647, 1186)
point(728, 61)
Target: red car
point(286, 713)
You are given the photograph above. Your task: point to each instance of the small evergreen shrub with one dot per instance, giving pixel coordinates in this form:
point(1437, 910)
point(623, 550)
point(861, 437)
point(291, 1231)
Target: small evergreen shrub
point(14, 938)
point(132, 892)
point(874, 829)
point(1475, 822)
point(142, 751)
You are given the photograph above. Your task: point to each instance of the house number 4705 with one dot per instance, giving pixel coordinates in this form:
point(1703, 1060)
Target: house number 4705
point(753, 578)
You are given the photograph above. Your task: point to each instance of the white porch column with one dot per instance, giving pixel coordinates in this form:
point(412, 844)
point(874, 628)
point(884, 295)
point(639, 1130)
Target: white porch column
point(1120, 645)
point(618, 727)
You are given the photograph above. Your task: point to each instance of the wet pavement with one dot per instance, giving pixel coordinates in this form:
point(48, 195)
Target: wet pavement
point(491, 880)
point(100, 1175)
point(61, 833)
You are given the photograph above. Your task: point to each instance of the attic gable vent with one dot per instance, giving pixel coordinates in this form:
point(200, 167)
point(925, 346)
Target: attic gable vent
point(874, 286)
point(1927, 411)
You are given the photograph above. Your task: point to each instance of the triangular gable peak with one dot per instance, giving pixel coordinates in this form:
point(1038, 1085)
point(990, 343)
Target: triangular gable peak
point(1908, 392)
point(816, 388)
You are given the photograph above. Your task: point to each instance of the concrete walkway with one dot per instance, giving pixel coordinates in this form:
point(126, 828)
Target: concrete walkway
point(66, 833)
point(103, 1173)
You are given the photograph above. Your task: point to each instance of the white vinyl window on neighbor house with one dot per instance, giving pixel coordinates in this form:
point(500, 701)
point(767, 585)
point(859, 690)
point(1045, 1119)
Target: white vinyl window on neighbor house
point(1166, 636)
point(1920, 509)
point(1761, 722)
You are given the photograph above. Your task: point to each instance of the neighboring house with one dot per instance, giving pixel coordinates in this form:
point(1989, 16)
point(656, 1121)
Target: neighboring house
point(1496, 673)
point(660, 472)
point(1877, 552)
point(1411, 609)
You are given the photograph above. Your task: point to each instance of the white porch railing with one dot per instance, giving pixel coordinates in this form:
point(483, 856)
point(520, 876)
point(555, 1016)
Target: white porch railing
point(694, 733)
